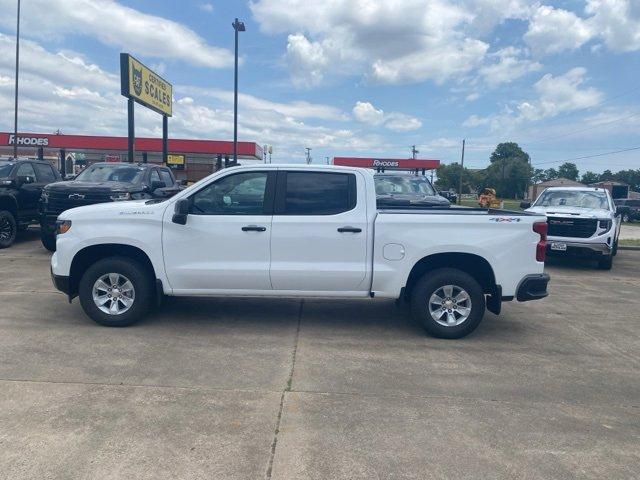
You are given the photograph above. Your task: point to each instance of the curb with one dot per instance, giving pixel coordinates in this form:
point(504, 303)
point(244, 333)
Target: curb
point(628, 247)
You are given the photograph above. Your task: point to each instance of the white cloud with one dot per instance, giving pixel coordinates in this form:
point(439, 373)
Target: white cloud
point(206, 7)
point(553, 30)
point(555, 95)
point(510, 66)
point(365, 112)
point(118, 26)
point(392, 41)
point(617, 22)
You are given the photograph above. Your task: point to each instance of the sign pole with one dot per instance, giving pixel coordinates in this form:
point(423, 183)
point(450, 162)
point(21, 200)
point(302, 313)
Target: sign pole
point(15, 113)
point(131, 129)
point(165, 135)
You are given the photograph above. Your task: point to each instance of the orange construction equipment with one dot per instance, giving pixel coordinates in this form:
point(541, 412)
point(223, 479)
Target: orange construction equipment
point(488, 199)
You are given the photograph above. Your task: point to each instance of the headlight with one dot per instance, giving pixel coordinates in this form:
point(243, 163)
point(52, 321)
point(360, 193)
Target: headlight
point(120, 197)
point(604, 225)
point(63, 226)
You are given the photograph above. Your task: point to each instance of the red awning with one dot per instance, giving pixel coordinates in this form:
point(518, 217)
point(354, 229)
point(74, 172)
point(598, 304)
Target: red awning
point(90, 142)
point(392, 163)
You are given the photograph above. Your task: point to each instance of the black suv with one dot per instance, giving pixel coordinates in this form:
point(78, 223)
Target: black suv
point(21, 184)
point(100, 183)
point(628, 208)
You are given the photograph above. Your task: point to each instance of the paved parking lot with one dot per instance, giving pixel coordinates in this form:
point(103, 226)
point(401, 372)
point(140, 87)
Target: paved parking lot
point(289, 389)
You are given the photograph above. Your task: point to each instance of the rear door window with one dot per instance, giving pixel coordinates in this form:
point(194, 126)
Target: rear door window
point(316, 193)
point(44, 173)
point(26, 170)
point(166, 177)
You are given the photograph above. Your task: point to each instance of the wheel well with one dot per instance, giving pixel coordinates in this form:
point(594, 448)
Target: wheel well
point(90, 255)
point(474, 265)
point(9, 204)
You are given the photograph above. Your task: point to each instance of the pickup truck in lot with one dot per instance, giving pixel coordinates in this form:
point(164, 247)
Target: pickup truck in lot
point(583, 222)
point(298, 231)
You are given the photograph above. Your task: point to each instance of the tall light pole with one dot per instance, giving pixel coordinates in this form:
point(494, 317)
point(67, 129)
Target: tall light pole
point(308, 155)
point(15, 113)
point(461, 174)
point(238, 26)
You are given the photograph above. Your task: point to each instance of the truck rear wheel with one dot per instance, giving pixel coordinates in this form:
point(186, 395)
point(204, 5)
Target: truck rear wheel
point(8, 228)
point(116, 291)
point(448, 303)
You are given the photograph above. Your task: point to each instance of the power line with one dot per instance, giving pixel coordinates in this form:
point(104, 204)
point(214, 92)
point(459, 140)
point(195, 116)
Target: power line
point(589, 156)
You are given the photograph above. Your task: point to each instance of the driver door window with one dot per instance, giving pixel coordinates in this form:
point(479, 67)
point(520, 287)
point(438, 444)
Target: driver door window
point(239, 194)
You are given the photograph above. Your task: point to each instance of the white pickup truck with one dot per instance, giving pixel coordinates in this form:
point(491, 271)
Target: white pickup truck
point(298, 231)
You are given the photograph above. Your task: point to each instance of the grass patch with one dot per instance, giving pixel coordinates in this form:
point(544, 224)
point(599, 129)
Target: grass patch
point(629, 242)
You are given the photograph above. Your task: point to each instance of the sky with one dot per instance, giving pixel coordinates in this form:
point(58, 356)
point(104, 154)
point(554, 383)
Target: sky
point(343, 77)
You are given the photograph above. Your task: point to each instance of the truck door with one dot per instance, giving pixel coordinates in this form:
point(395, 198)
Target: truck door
point(29, 191)
point(319, 232)
point(224, 245)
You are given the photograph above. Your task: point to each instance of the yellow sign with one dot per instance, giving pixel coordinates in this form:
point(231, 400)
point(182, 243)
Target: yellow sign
point(175, 159)
point(145, 86)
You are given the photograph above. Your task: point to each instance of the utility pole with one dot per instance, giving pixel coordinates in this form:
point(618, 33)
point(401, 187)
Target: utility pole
point(238, 26)
point(15, 113)
point(461, 174)
point(308, 155)
point(414, 152)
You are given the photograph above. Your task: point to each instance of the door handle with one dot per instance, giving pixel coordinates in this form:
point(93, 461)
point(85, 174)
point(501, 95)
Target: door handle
point(349, 230)
point(254, 228)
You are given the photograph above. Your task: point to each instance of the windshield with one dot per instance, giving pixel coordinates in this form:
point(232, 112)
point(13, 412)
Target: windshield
point(572, 198)
point(5, 169)
point(111, 173)
point(403, 185)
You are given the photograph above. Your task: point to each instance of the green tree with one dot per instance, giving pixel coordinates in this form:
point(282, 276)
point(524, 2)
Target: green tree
point(509, 151)
point(550, 174)
point(568, 170)
point(589, 178)
point(449, 177)
point(538, 176)
point(510, 178)
point(630, 177)
point(606, 175)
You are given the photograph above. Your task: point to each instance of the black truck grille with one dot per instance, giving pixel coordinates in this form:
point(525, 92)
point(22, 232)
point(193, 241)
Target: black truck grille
point(571, 227)
point(59, 202)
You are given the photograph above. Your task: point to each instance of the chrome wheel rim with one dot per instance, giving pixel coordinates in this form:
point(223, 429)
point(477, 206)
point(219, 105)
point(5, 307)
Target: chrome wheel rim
point(450, 305)
point(6, 229)
point(113, 293)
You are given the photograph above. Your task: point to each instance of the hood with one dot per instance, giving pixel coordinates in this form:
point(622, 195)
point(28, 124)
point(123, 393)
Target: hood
point(79, 186)
point(400, 199)
point(572, 212)
point(112, 210)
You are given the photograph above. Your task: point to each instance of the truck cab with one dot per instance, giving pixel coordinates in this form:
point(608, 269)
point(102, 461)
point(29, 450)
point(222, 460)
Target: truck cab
point(21, 184)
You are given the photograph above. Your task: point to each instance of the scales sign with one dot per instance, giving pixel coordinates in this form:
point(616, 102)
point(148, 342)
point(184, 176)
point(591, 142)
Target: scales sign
point(145, 86)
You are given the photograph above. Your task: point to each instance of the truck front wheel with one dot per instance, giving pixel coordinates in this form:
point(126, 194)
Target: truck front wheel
point(8, 228)
point(116, 291)
point(448, 303)
point(48, 240)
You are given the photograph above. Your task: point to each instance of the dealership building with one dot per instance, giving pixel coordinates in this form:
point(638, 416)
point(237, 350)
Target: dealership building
point(190, 159)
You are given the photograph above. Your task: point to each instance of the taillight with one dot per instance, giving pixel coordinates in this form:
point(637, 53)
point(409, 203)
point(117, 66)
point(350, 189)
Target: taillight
point(541, 248)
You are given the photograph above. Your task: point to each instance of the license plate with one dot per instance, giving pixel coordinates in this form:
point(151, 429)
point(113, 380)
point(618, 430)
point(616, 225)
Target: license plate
point(562, 247)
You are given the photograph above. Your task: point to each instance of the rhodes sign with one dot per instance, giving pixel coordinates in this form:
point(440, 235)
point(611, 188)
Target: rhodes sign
point(145, 86)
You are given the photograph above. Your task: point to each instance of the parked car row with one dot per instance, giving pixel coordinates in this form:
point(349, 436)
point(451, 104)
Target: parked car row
point(32, 191)
point(629, 209)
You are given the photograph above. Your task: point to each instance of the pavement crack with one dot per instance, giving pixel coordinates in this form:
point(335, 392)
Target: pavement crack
point(286, 389)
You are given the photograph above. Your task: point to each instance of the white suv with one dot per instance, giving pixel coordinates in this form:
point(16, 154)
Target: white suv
point(582, 222)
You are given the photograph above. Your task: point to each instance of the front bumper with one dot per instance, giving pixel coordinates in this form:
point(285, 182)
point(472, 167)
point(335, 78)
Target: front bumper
point(61, 283)
point(533, 287)
point(581, 249)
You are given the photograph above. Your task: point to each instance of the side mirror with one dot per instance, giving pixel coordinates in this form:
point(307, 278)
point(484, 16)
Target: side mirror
point(23, 180)
point(157, 184)
point(525, 205)
point(181, 212)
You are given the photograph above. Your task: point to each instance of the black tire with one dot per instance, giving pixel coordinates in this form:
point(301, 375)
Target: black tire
point(614, 251)
point(135, 273)
point(606, 263)
point(430, 283)
point(8, 228)
point(48, 240)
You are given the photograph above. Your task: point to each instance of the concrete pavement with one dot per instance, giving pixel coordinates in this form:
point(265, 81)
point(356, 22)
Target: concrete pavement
point(284, 389)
